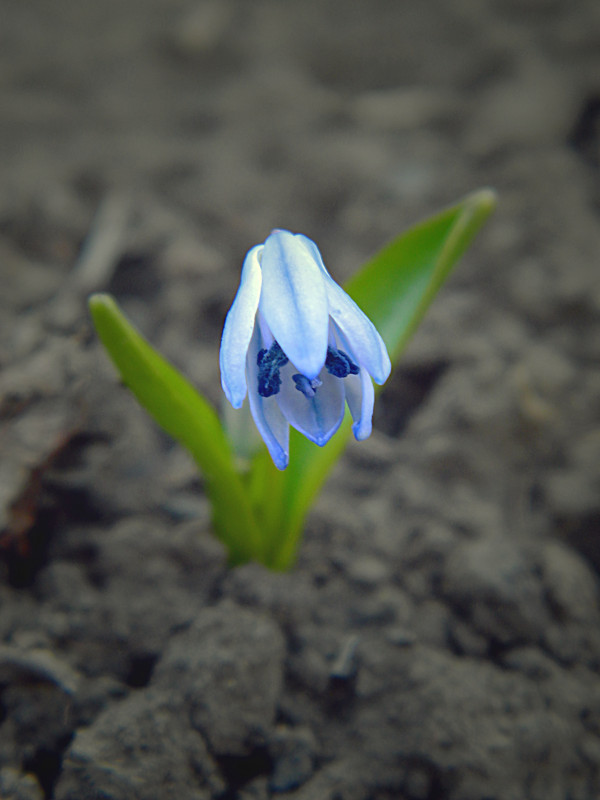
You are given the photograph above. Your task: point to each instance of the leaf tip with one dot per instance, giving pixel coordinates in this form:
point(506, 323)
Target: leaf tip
point(485, 200)
point(99, 299)
point(102, 306)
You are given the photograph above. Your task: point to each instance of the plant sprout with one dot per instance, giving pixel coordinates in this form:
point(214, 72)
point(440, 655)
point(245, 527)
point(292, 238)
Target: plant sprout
point(301, 348)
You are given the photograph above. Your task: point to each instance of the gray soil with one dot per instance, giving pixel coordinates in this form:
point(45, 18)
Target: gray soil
point(439, 637)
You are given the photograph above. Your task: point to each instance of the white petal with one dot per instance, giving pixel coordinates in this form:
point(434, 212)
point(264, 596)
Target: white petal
point(316, 253)
point(363, 337)
point(293, 301)
point(271, 424)
point(360, 396)
point(319, 417)
point(365, 343)
point(237, 332)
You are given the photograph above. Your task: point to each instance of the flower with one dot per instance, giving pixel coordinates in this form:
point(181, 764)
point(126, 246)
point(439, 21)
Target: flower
point(300, 346)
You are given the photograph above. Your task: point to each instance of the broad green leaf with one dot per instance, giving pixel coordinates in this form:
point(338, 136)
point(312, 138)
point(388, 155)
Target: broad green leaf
point(394, 289)
point(188, 417)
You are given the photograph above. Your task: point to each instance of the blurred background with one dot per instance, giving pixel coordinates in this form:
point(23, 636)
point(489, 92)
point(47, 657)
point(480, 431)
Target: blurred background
point(335, 117)
point(145, 146)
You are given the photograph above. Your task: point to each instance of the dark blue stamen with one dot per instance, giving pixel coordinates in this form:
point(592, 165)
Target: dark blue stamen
point(308, 388)
point(269, 362)
point(339, 364)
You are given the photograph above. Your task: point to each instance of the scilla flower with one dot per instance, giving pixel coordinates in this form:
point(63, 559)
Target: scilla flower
point(301, 348)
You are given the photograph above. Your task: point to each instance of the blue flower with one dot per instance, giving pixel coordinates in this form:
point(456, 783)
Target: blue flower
point(300, 346)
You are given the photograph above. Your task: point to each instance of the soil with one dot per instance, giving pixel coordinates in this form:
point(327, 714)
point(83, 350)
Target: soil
point(439, 637)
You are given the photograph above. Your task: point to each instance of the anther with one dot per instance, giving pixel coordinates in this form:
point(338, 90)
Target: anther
point(269, 362)
point(339, 364)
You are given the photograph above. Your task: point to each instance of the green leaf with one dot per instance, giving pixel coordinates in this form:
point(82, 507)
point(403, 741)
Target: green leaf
point(396, 287)
point(394, 290)
point(188, 417)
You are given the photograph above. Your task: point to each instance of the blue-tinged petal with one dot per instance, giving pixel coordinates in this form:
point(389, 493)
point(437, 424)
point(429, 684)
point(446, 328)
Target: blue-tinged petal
point(317, 417)
point(293, 301)
point(364, 342)
point(271, 424)
point(265, 332)
point(363, 338)
point(360, 396)
point(237, 332)
point(314, 250)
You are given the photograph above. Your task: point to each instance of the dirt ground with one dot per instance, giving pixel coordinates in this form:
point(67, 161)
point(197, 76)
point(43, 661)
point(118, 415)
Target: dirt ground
point(439, 637)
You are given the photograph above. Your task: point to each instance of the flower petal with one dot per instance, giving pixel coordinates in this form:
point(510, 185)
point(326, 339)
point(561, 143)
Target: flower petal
point(293, 301)
point(317, 417)
point(271, 424)
point(360, 396)
point(364, 342)
point(314, 250)
point(362, 336)
point(237, 332)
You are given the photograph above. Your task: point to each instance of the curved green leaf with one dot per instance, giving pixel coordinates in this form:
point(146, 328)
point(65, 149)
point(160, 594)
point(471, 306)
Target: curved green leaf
point(186, 416)
point(394, 289)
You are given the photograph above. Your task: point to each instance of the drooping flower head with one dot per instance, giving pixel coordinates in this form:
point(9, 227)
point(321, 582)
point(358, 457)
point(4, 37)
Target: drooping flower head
point(299, 346)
